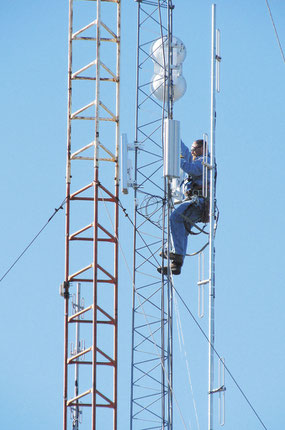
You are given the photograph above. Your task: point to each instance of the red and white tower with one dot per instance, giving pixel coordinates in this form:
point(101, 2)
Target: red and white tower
point(92, 186)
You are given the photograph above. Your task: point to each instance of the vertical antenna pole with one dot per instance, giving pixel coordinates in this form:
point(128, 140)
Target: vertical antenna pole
point(169, 197)
point(135, 220)
point(77, 350)
point(212, 215)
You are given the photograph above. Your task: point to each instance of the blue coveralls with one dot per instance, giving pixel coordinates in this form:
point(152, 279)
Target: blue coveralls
point(179, 234)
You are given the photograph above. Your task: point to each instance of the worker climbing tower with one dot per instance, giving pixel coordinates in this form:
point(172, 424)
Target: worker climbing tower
point(156, 148)
point(90, 354)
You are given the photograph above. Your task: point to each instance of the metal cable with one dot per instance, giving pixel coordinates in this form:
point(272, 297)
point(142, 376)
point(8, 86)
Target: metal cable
point(218, 355)
point(198, 252)
point(32, 241)
point(275, 29)
point(206, 337)
point(182, 344)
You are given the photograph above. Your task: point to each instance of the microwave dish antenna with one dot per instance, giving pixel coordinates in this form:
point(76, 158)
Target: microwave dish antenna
point(159, 52)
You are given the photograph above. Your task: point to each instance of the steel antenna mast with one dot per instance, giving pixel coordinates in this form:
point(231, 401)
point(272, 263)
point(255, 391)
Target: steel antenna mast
point(211, 232)
point(151, 373)
point(92, 163)
point(215, 62)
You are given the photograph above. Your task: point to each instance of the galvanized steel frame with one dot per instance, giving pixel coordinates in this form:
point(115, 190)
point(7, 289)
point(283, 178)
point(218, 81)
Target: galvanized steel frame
point(90, 194)
point(151, 374)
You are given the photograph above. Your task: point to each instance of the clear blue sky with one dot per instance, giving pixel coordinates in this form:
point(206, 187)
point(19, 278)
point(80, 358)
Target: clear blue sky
point(250, 239)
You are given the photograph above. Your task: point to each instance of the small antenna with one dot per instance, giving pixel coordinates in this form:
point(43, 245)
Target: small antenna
point(222, 391)
point(218, 59)
point(77, 307)
point(201, 285)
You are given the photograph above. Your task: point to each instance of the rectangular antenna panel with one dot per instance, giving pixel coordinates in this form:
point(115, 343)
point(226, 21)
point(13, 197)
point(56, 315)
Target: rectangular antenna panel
point(124, 164)
point(171, 162)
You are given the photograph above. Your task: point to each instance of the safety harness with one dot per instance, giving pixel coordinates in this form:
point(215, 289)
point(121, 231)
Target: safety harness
point(192, 193)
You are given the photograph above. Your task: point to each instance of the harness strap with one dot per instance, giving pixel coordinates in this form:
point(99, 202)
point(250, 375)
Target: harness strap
point(203, 218)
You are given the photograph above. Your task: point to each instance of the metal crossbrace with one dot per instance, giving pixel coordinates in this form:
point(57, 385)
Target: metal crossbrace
point(90, 370)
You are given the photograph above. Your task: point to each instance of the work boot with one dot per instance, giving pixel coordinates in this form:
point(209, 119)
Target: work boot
point(162, 269)
point(175, 265)
point(164, 254)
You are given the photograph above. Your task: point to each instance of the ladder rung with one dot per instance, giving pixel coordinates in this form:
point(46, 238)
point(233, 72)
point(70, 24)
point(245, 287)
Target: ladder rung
point(204, 282)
